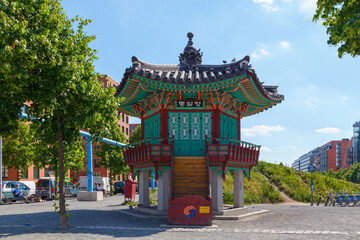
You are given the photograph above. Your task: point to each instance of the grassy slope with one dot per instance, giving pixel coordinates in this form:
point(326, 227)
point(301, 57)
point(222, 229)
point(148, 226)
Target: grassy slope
point(295, 184)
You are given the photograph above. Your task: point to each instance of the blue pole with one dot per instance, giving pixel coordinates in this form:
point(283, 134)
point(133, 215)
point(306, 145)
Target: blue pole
point(90, 166)
point(152, 180)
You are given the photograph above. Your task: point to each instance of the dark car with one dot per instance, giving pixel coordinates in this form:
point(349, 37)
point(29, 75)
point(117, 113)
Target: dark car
point(119, 187)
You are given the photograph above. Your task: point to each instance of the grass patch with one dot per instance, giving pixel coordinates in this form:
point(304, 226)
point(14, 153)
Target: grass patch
point(256, 191)
point(153, 196)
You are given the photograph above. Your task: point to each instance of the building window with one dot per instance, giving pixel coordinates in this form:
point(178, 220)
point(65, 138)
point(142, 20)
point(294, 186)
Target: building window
point(97, 162)
point(123, 130)
point(36, 172)
point(127, 131)
point(4, 171)
point(127, 119)
point(123, 117)
point(46, 172)
point(118, 113)
point(97, 148)
point(24, 174)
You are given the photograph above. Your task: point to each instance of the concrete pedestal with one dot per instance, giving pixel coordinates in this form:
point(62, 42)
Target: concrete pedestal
point(144, 188)
point(90, 196)
point(216, 191)
point(163, 191)
point(238, 188)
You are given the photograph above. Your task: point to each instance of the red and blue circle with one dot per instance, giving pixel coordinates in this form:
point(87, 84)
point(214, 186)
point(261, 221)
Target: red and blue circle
point(189, 212)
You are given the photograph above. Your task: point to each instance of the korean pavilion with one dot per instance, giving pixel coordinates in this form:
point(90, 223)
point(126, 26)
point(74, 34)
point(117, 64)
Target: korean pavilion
point(191, 136)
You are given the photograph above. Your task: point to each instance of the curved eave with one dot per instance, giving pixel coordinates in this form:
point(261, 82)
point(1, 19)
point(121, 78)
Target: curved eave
point(245, 87)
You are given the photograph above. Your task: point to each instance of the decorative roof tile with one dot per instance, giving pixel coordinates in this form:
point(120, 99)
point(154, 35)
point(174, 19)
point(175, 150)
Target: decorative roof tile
point(190, 71)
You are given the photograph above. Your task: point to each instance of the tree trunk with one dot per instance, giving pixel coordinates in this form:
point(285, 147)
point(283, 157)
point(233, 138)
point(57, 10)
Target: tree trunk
point(63, 221)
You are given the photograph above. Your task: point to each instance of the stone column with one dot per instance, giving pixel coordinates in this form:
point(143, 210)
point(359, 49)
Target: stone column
point(238, 188)
point(163, 191)
point(144, 188)
point(216, 191)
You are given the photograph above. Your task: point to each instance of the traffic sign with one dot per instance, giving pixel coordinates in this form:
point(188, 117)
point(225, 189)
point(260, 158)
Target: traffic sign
point(311, 168)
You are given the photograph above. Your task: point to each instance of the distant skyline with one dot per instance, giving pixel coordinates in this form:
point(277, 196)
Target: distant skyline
point(286, 49)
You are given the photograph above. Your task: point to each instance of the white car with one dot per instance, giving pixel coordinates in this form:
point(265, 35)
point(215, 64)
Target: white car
point(9, 186)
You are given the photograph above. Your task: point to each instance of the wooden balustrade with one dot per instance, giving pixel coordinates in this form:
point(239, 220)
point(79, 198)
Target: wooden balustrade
point(233, 151)
point(145, 151)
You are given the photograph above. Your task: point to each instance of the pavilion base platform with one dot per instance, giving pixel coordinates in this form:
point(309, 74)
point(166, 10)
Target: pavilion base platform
point(227, 213)
point(90, 196)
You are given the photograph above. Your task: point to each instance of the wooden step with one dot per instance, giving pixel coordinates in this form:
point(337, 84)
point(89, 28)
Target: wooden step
point(182, 158)
point(189, 169)
point(194, 183)
point(190, 162)
point(176, 195)
point(189, 165)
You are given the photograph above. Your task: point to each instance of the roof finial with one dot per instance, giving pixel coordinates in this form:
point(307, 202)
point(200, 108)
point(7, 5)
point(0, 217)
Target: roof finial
point(190, 35)
point(191, 56)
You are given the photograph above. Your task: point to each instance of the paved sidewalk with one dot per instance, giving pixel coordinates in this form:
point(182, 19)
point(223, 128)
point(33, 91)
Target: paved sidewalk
point(105, 220)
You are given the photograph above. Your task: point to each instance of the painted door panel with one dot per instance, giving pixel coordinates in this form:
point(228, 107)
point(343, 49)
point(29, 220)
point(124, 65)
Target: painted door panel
point(189, 130)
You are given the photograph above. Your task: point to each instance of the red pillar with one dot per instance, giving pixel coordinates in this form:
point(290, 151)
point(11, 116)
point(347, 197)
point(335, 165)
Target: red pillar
point(142, 127)
point(216, 123)
point(239, 129)
point(164, 125)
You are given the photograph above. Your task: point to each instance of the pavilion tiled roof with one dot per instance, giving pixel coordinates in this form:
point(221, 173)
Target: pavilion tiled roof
point(197, 74)
point(191, 75)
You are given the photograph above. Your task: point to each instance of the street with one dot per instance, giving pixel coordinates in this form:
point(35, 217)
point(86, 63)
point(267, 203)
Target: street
point(106, 220)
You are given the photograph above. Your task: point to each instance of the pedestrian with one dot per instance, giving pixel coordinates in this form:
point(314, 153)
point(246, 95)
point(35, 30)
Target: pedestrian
point(18, 193)
point(100, 188)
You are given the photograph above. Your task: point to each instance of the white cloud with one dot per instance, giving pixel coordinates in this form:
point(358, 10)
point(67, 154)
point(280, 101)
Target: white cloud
point(268, 5)
point(269, 2)
point(344, 98)
point(259, 53)
point(261, 130)
point(307, 8)
point(284, 44)
point(327, 130)
point(265, 149)
point(264, 52)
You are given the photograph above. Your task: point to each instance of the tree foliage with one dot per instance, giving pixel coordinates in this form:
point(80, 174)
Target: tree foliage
point(342, 20)
point(47, 61)
point(112, 156)
point(18, 148)
point(352, 174)
point(136, 135)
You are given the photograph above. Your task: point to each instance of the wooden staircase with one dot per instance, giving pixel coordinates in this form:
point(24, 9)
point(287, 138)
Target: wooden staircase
point(190, 177)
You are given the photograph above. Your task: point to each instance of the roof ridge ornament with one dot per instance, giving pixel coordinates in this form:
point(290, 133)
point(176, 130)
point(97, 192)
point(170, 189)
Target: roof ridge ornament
point(191, 56)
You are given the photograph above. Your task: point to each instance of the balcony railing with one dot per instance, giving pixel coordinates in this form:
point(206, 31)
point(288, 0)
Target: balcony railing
point(231, 150)
point(154, 150)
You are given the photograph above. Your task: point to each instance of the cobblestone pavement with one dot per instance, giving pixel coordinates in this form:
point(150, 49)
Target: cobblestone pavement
point(106, 220)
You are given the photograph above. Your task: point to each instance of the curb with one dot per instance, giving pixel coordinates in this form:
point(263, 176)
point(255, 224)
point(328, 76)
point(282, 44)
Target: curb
point(217, 217)
point(143, 216)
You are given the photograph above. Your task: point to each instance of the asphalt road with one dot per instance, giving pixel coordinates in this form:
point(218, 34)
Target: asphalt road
point(106, 220)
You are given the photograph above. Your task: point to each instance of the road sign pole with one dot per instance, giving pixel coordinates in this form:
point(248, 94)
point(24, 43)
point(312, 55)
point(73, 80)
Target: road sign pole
point(312, 190)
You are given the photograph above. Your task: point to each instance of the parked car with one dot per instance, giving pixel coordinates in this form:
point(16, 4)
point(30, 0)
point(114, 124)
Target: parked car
point(31, 185)
point(119, 187)
point(9, 186)
point(104, 181)
point(42, 188)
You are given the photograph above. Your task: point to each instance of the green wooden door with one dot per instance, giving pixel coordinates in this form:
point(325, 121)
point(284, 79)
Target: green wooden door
point(189, 130)
point(228, 128)
point(152, 128)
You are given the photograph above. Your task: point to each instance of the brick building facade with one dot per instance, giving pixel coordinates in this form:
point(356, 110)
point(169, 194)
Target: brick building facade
point(33, 173)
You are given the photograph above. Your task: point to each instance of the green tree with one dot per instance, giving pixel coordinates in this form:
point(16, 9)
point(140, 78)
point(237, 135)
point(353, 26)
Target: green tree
point(18, 149)
point(47, 60)
point(112, 156)
point(136, 135)
point(342, 20)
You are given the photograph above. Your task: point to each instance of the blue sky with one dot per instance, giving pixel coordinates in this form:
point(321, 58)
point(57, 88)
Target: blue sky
point(286, 49)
